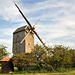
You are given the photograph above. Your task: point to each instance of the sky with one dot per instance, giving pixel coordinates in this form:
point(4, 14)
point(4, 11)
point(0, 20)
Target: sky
point(56, 25)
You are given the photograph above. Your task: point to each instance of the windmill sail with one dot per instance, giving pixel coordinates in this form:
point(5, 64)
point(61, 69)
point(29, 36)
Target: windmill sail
point(31, 28)
point(23, 15)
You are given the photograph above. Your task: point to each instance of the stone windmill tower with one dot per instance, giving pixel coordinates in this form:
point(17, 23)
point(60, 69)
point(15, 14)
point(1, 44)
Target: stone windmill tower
point(23, 38)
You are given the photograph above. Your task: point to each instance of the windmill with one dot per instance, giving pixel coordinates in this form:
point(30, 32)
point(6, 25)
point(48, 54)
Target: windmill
point(31, 28)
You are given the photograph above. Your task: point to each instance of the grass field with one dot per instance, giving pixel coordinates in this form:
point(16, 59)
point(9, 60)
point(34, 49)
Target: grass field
point(0, 69)
point(64, 73)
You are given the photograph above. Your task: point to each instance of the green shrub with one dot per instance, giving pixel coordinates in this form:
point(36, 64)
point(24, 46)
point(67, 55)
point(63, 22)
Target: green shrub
point(43, 71)
point(49, 59)
point(61, 69)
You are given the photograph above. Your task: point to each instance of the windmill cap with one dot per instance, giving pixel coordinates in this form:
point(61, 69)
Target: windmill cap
point(20, 29)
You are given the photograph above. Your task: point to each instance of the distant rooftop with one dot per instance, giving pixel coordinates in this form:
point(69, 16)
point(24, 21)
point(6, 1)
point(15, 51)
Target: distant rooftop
point(5, 59)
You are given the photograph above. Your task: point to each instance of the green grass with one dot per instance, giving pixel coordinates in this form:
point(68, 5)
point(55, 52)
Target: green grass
point(65, 73)
point(71, 72)
point(0, 69)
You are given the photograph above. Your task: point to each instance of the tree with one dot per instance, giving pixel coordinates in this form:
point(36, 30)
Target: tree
point(3, 51)
point(40, 54)
point(48, 58)
point(23, 60)
point(61, 57)
point(72, 52)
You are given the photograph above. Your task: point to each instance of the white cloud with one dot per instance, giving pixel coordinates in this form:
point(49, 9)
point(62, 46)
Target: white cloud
point(9, 12)
point(46, 5)
point(5, 41)
point(57, 19)
point(7, 32)
point(67, 44)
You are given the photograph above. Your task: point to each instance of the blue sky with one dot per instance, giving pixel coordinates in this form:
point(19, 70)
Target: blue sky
point(56, 25)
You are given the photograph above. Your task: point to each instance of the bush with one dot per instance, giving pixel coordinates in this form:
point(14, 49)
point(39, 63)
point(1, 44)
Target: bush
point(23, 61)
point(61, 69)
point(61, 57)
point(49, 59)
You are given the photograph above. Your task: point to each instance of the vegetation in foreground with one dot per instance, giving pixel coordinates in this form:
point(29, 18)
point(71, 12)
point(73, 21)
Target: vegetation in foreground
point(3, 52)
point(45, 60)
point(71, 71)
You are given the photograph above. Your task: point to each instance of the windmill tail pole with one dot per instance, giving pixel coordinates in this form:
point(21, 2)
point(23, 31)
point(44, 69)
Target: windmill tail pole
point(23, 15)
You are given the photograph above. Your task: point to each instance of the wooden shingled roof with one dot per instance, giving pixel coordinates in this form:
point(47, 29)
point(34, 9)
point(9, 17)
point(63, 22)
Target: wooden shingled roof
point(5, 59)
point(19, 29)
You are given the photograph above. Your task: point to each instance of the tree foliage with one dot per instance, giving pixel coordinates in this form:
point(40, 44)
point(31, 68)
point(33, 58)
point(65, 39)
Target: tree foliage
point(48, 58)
point(23, 61)
point(61, 57)
point(3, 51)
point(72, 52)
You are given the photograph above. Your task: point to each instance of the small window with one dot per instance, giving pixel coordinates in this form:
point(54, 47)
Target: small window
point(28, 43)
point(18, 39)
